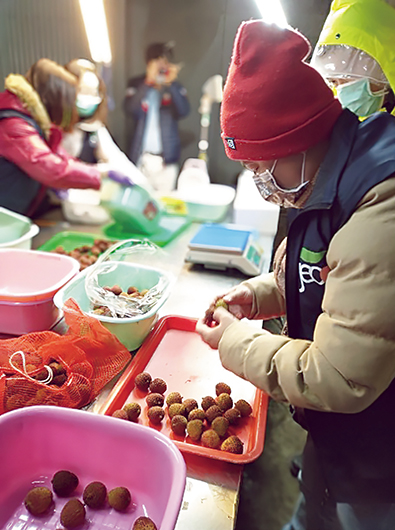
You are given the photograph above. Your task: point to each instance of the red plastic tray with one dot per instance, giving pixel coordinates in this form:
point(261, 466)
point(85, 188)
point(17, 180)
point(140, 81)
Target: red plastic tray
point(176, 353)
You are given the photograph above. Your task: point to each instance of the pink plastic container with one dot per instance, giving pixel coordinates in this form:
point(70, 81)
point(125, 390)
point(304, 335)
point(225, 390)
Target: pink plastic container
point(31, 275)
point(18, 318)
point(28, 281)
point(36, 442)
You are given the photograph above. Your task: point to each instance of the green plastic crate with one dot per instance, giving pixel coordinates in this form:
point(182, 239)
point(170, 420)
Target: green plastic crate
point(168, 229)
point(72, 240)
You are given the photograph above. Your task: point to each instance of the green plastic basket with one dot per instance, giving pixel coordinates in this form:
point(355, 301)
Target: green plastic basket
point(170, 226)
point(71, 240)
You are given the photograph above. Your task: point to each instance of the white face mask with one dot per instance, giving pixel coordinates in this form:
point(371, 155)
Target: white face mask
point(272, 192)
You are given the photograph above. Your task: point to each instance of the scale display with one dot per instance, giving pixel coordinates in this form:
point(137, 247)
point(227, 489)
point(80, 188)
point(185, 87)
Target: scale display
point(226, 246)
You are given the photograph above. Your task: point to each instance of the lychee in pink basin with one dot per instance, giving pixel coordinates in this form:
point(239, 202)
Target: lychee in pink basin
point(36, 442)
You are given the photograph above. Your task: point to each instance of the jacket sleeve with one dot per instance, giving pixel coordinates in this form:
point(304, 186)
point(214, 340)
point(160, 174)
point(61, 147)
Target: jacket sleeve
point(135, 93)
point(116, 159)
point(22, 145)
point(179, 100)
point(268, 302)
point(351, 360)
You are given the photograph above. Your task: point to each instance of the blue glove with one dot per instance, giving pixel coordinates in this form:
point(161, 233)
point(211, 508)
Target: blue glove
point(62, 195)
point(116, 176)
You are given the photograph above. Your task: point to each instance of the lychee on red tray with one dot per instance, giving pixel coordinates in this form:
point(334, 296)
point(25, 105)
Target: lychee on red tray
point(205, 409)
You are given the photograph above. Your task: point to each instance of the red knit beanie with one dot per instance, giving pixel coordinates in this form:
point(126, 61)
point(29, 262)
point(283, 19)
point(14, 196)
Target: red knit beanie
point(274, 103)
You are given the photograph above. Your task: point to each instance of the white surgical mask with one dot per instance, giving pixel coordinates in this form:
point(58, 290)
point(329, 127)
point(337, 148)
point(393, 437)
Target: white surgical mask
point(272, 192)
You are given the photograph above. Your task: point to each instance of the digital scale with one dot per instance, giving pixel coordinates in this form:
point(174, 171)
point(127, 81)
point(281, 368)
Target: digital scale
point(222, 246)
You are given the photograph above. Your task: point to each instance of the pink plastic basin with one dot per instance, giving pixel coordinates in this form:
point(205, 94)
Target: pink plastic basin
point(30, 275)
point(18, 318)
point(36, 442)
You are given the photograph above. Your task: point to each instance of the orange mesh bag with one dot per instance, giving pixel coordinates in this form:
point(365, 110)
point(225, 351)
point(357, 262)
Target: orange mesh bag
point(45, 368)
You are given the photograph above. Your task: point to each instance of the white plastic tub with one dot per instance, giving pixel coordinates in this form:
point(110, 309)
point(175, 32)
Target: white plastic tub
point(208, 202)
point(250, 209)
point(131, 331)
point(16, 231)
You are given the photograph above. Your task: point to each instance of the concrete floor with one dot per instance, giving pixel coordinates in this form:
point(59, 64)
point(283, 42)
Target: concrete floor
point(269, 491)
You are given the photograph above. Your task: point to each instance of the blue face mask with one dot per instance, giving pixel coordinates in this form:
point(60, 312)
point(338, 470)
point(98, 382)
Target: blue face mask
point(358, 97)
point(87, 105)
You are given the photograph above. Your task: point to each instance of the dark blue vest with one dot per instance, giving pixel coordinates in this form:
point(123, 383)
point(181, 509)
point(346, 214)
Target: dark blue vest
point(89, 148)
point(17, 189)
point(357, 451)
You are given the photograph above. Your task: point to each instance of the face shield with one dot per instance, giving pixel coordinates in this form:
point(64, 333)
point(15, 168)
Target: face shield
point(343, 63)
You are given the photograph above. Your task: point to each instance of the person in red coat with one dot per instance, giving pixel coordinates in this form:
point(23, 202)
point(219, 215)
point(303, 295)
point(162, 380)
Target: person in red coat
point(35, 109)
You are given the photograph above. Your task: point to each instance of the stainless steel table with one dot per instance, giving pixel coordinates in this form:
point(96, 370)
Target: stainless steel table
point(211, 494)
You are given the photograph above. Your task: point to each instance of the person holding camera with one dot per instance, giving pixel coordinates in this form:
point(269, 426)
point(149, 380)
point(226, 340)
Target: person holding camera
point(156, 101)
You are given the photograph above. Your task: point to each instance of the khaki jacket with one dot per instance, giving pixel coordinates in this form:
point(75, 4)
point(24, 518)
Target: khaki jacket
point(351, 360)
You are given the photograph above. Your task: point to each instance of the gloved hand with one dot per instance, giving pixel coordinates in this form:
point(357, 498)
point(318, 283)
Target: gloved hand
point(62, 195)
point(121, 178)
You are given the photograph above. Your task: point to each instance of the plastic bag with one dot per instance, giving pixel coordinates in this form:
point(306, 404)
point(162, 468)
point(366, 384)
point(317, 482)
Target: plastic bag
point(112, 300)
point(44, 368)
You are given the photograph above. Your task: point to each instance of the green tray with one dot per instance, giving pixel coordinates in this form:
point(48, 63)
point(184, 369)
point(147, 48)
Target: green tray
point(170, 226)
point(71, 240)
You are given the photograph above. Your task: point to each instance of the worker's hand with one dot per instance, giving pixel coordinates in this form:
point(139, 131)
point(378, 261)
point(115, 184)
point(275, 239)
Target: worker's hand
point(62, 195)
point(172, 73)
point(151, 72)
point(212, 335)
point(120, 178)
point(240, 300)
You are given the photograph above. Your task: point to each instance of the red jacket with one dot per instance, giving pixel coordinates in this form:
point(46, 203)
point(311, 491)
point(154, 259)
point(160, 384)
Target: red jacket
point(46, 162)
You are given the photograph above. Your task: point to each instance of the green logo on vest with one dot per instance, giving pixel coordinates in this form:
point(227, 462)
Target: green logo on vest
point(309, 271)
point(309, 256)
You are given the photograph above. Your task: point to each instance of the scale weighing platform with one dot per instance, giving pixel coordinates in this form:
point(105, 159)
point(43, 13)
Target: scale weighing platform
point(227, 246)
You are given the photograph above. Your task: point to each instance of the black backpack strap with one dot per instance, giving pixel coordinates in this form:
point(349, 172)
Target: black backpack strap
point(11, 113)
